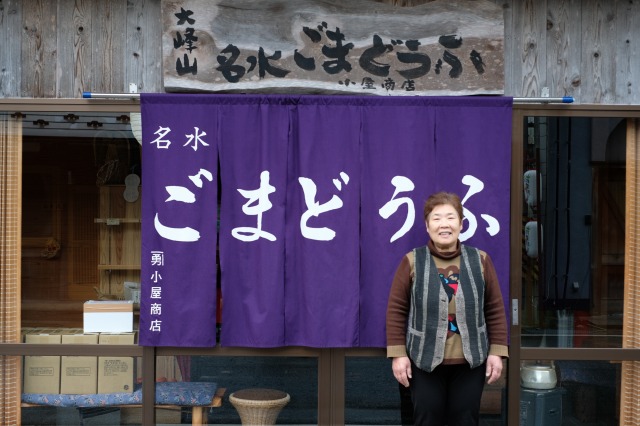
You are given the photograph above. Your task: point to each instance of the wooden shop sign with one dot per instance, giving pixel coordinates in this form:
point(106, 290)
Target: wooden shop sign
point(444, 47)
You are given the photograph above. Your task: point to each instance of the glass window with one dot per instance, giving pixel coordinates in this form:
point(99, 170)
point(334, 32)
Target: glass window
point(573, 223)
point(569, 392)
point(374, 397)
point(372, 394)
point(74, 168)
point(296, 376)
point(105, 380)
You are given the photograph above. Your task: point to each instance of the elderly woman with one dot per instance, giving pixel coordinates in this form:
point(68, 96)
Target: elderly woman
point(446, 325)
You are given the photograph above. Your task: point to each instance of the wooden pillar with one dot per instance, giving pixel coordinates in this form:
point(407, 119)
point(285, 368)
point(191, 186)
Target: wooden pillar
point(10, 249)
point(630, 384)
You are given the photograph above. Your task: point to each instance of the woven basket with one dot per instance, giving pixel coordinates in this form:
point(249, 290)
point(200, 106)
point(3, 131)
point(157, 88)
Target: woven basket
point(259, 406)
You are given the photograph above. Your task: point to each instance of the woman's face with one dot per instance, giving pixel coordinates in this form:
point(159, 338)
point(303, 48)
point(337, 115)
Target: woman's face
point(444, 226)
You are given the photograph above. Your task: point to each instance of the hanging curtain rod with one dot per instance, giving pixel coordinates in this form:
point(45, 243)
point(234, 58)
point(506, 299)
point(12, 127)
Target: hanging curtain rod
point(562, 100)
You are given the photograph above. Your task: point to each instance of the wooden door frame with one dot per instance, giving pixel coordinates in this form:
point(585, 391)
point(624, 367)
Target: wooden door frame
point(516, 352)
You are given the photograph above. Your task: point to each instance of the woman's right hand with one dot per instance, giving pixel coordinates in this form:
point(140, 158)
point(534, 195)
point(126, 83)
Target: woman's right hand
point(402, 370)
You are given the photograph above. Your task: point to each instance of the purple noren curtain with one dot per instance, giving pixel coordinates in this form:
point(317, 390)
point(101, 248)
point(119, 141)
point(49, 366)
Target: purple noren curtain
point(318, 198)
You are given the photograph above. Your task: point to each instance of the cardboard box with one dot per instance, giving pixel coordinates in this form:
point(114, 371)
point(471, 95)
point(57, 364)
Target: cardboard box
point(115, 374)
point(79, 374)
point(42, 373)
point(108, 316)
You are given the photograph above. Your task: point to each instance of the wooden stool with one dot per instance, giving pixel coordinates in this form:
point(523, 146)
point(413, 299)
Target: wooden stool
point(259, 406)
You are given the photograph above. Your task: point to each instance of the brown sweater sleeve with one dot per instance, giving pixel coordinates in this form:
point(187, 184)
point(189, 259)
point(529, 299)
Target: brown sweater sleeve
point(398, 309)
point(494, 309)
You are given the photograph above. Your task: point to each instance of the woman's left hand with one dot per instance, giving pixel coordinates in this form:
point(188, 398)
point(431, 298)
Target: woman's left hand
point(494, 368)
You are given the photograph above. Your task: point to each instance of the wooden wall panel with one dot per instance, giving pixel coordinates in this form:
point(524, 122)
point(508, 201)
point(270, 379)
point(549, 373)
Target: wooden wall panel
point(143, 53)
point(511, 40)
point(74, 47)
point(599, 51)
point(66, 46)
point(10, 54)
point(564, 39)
point(627, 60)
point(108, 43)
point(152, 49)
point(583, 48)
point(118, 47)
point(82, 235)
point(39, 47)
point(133, 53)
point(509, 52)
point(119, 245)
point(530, 47)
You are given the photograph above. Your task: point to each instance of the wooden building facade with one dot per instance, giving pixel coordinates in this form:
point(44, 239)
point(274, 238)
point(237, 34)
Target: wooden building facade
point(52, 51)
point(60, 49)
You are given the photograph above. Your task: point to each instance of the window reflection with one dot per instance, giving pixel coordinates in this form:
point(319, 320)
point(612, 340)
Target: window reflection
point(372, 394)
point(60, 407)
point(297, 376)
point(573, 232)
point(374, 397)
point(585, 392)
point(73, 171)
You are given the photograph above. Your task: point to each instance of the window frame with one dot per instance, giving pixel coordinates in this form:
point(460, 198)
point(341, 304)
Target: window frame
point(331, 361)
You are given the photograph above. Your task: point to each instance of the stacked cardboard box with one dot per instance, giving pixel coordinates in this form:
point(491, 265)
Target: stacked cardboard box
point(79, 374)
point(115, 374)
point(42, 373)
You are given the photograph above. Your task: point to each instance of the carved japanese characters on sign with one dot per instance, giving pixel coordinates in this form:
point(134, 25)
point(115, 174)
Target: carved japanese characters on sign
point(357, 47)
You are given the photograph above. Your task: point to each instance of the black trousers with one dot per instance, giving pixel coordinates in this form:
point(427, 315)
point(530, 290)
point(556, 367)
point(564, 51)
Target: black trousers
point(406, 406)
point(449, 395)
